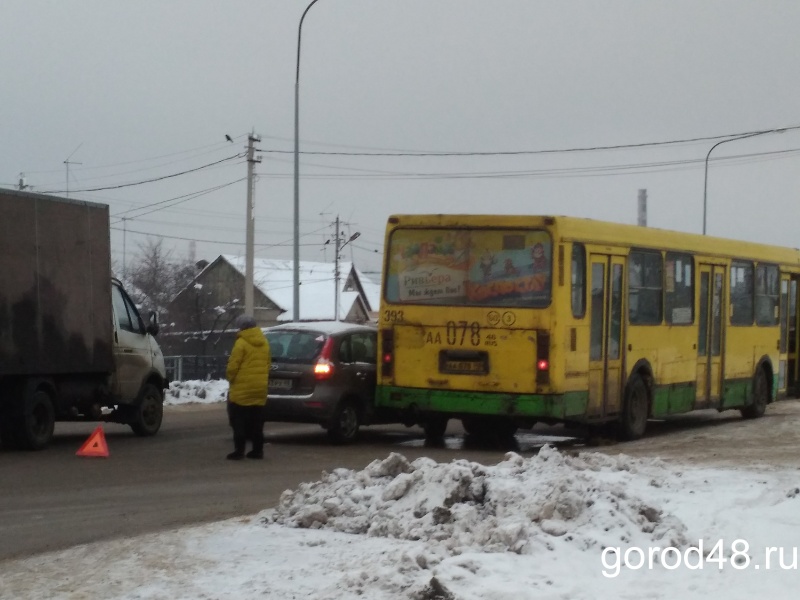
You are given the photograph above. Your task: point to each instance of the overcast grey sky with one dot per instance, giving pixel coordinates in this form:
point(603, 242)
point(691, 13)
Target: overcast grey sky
point(132, 91)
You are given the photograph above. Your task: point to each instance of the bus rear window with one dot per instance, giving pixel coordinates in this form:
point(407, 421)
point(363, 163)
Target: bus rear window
point(469, 267)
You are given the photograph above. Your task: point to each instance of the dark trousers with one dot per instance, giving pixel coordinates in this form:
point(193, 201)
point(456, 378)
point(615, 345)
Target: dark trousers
point(248, 425)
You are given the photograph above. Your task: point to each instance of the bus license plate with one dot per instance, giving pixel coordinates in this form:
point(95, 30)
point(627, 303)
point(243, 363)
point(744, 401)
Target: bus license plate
point(469, 367)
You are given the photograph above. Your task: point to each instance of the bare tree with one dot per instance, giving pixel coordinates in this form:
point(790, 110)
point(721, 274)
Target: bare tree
point(155, 277)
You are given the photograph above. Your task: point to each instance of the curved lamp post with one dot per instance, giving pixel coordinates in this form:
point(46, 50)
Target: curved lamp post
point(296, 284)
point(705, 180)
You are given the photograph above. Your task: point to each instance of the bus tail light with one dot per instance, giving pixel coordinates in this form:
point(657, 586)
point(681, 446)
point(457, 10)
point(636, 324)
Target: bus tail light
point(323, 369)
point(542, 357)
point(387, 357)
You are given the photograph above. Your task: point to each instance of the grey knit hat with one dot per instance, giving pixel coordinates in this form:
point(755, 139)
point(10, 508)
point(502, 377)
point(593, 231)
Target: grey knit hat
point(245, 322)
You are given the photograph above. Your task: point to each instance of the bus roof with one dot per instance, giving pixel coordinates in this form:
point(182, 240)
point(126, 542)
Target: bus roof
point(591, 231)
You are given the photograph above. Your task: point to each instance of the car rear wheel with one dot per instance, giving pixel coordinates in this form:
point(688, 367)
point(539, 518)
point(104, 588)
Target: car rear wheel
point(343, 427)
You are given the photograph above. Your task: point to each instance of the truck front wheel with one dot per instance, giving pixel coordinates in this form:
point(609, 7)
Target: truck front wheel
point(148, 413)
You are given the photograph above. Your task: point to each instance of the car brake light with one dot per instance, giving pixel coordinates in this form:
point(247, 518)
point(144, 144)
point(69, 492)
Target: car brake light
point(323, 368)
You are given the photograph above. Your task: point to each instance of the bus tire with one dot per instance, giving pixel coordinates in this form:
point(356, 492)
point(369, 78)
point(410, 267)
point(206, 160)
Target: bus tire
point(635, 409)
point(760, 397)
point(473, 426)
point(435, 427)
point(482, 426)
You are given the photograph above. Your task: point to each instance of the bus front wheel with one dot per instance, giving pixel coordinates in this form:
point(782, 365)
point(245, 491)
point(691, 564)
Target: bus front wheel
point(635, 408)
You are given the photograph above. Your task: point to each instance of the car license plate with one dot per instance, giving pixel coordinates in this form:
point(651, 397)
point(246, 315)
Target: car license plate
point(280, 384)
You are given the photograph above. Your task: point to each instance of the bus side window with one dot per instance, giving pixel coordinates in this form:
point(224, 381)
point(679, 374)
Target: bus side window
point(767, 295)
point(679, 292)
point(645, 288)
point(578, 275)
point(741, 293)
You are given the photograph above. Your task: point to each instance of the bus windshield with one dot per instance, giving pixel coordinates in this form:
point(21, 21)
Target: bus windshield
point(469, 267)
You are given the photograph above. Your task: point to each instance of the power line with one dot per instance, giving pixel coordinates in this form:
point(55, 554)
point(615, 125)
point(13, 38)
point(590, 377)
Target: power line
point(188, 239)
point(123, 185)
point(217, 145)
point(526, 152)
point(625, 168)
point(177, 199)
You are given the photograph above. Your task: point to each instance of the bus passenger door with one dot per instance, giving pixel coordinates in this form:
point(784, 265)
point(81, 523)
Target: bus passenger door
point(710, 335)
point(787, 373)
point(606, 335)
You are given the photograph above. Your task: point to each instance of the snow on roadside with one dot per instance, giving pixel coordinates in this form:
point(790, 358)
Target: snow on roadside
point(519, 505)
point(525, 528)
point(196, 392)
point(461, 512)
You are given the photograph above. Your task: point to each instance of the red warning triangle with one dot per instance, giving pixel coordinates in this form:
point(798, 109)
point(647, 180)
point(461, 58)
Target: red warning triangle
point(95, 445)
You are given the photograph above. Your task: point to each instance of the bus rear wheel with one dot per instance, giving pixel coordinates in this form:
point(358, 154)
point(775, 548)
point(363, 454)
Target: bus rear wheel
point(760, 397)
point(434, 428)
point(635, 409)
point(482, 426)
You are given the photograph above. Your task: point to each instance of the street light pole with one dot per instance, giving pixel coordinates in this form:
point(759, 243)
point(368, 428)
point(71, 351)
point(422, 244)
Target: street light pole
point(296, 284)
point(705, 180)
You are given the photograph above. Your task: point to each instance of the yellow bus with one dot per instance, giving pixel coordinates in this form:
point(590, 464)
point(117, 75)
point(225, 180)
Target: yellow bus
point(504, 321)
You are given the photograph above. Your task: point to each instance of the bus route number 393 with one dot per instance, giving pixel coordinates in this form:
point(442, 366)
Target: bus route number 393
point(393, 316)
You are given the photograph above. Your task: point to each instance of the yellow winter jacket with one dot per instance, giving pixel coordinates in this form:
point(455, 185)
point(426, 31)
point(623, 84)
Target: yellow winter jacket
point(248, 368)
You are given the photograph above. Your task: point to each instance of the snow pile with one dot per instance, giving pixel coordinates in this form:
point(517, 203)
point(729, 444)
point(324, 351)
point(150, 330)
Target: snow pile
point(196, 392)
point(521, 505)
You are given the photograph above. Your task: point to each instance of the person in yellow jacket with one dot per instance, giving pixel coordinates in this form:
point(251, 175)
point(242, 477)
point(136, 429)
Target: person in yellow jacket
point(248, 376)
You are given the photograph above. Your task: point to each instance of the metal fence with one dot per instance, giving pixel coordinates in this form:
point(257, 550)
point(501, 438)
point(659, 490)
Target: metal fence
point(184, 368)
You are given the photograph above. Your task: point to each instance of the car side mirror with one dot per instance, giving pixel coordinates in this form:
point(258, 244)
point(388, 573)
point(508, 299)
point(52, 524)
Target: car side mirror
point(152, 325)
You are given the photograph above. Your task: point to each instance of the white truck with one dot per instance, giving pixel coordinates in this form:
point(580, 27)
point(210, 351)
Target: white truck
point(73, 346)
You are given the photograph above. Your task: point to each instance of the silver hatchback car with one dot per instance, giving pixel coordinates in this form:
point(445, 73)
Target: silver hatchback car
point(325, 373)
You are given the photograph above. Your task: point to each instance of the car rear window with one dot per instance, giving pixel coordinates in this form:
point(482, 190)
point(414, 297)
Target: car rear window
point(301, 347)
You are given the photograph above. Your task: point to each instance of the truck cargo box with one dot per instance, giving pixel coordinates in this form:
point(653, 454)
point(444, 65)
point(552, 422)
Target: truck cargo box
point(55, 293)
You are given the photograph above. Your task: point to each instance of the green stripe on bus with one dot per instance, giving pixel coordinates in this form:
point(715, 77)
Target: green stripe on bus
point(560, 406)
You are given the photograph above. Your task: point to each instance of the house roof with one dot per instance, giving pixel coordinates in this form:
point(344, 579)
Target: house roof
point(275, 279)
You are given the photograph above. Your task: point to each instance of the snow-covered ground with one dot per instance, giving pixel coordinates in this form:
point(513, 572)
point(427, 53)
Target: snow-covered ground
point(548, 526)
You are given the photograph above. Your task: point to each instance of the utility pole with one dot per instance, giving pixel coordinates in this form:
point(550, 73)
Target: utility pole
point(125, 250)
point(336, 274)
point(248, 278)
point(642, 212)
point(68, 162)
point(338, 248)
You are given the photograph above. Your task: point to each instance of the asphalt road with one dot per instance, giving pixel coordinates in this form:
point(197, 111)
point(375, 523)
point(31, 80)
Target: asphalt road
point(54, 499)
